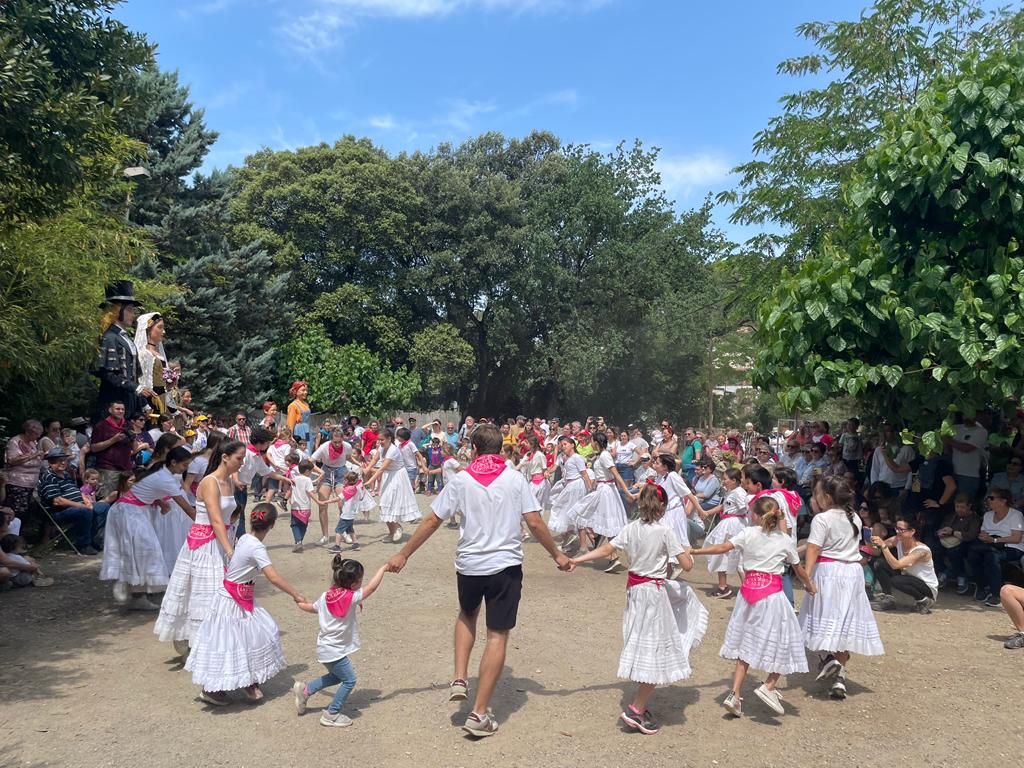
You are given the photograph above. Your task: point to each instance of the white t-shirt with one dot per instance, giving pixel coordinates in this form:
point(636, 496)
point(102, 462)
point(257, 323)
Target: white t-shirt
point(832, 532)
point(532, 464)
point(323, 455)
point(157, 486)
point(408, 453)
point(302, 489)
point(278, 455)
point(351, 466)
point(249, 559)
point(573, 467)
point(395, 455)
point(449, 469)
point(1014, 521)
point(675, 488)
point(735, 503)
point(339, 635)
point(155, 434)
point(602, 465)
point(252, 465)
point(852, 444)
point(490, 528)
point(198, 466)
point(968, 464)
point(765, 552)
point(625, 453)
point(923, 569)
point(649, 547)
point(641, 445)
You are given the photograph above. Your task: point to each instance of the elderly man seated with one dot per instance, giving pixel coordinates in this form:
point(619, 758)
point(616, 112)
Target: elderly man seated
point(66, 504)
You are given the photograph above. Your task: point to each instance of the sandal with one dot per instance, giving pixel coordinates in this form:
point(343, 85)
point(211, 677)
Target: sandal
point(253, 693)
point(722, 593)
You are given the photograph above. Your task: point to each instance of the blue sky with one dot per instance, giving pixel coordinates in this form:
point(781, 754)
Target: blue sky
point(696, 79)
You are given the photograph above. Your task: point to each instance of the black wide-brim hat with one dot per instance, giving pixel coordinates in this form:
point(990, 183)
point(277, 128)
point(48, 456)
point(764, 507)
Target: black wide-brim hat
point(120, 292)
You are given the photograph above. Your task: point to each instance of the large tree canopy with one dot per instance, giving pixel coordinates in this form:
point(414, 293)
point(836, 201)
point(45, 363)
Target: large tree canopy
point(916, 306)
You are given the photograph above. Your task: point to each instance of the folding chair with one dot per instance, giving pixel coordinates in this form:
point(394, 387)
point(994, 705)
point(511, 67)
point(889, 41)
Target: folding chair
point(56, 525)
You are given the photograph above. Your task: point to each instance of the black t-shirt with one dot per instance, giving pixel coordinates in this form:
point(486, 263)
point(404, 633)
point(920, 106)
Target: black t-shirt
point(930, 475)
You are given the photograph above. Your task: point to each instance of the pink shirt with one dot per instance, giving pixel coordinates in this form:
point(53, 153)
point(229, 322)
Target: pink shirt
point(22, 475)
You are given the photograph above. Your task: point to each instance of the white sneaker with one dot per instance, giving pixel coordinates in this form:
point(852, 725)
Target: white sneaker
point(733, 704)
point(770, 697)
point(322, 540)
point(830, 667)
point(337, 720)
point(297, 547)
point(614, 567)
point(397, 535)
point(347, 538)
point(121, 592)
point(838, 690)
point(299, 689)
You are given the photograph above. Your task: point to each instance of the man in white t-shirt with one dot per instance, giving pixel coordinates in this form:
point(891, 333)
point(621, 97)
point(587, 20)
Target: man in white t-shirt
point(969, 444)
point(493, 502)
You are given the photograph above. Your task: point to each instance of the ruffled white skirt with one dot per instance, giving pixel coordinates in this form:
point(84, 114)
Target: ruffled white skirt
point(766, 635)
point(171, 531)
point(675, 518)
point(234, 648)
point(197, 575)
point(601, 511)
point(839, 617)
point(397, 501)
point(542, 493)
point(721, 533)
point(131, 550)
point(659, 628)
point(564, 496)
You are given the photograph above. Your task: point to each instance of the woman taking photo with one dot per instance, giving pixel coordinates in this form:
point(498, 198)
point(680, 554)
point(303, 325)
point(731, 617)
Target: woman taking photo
point(910, 570)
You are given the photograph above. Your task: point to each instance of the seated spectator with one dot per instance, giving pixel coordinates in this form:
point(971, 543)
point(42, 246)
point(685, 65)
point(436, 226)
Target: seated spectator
point(65, 503)
point(835, 467)
point(1012, 480)
point(8, 522)
point(911, 570)
point(1000, 542)
point(1012, 598)
point(19, 570)
point(951, 540)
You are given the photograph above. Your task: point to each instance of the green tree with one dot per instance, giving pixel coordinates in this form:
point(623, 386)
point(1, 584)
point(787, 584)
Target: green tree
point(878, 65)
point(916, 307)
point(443, 359)
point(348, 378)
point(66, 70)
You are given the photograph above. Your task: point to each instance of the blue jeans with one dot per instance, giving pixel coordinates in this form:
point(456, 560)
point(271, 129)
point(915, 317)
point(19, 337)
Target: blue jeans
point(339, 673)
point(787, 585)
point(81, 522)
point(435, 483)
point(298, 529)
point(99, 518)
point(628, 475)
point(986, 563)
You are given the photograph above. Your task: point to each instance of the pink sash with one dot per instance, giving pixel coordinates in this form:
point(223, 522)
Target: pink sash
point(635, 580)
point(486, 469)
point(537, 479)
point(726, 517)
point(198, 535)
point(823, 559)
point(338, 601)
point(131, 498)
point(302, 515)
point(241, 594)
point(758, 585)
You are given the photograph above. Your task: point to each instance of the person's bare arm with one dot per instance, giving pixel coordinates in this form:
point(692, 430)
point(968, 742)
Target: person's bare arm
point(540, 532)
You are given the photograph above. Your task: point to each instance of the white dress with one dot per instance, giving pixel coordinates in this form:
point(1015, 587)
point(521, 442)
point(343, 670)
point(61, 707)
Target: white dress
point(566, 492)
point(131, 549)
point(171, 528)
point(675, 512)
point(602, 510)
point(766, 633)
point(194, 581)
point(235, 648)
point(839, 617)
point(532, 467)
point(397, 501)
point(732, 521)
point(663, 620)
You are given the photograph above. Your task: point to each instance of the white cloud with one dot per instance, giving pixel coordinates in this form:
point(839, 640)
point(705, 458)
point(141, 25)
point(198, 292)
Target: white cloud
point(383, 122)
point(686, 176)
point(315, 32)
point(461, 113)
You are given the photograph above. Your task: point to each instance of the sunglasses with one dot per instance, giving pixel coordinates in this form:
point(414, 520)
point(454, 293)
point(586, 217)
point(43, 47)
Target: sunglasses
point(903, 530)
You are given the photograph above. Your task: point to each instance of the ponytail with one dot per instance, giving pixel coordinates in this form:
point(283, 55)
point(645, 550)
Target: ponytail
point(768, 513)
point(220, 451)
point(347, 572)
point(841, 494)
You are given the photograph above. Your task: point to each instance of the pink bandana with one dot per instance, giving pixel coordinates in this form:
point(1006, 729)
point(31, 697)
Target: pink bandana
point(335, 453)
point(485, 469)
point(793, 500)
point(339, 601)
point(348, 491)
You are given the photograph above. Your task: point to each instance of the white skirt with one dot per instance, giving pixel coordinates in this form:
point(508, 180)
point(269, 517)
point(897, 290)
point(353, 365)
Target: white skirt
point(659, 627)
point(542, 493)
point(190, 592)
point(397, 501)
point(131, 550)
point(721, 533)
point(675, 518)
point(601, 511)
point(564, 495)
point(766, 635)
point(361, 502)
point(171, 531)
point(234, 648)
point(839, 617)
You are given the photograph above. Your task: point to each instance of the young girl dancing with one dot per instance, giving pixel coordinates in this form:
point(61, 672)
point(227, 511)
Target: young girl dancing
point(397, 502)
point(663, 620)
point(733, 520)
point(238, 644)
point(763, 631)
point(602, 512)
point(338, 637)
point(838, 619)
point(353, 500)
point(199, 569)
point(574, 485)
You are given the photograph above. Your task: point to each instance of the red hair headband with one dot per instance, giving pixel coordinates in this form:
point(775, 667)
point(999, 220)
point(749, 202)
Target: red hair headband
point(662, 496)
point(259, 516)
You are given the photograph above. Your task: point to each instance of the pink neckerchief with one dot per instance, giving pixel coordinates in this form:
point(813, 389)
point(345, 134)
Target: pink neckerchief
point(339, 600)
point(279, 443)
point(793, 500)
point(348, 491)
point(251, 449)
point(486, 469)
point(115, 424)
point(335, 453)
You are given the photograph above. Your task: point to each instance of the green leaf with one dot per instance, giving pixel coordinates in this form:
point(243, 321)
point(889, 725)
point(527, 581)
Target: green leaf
point(960, 156)
point(969, 89)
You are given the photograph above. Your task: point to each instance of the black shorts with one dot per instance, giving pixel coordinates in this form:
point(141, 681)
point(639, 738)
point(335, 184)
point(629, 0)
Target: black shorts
point(500, 591)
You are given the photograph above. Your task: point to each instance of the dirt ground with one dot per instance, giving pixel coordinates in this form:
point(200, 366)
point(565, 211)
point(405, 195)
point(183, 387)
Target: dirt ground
point(85, 684)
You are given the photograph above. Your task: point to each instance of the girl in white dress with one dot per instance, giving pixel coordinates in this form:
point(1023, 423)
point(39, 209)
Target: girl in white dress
point(602, 512)
point(680, 497)
point(733, 519)
point(763, 631)
point(663, 620)
point(132, 555)
point(199, 569)
point(574, 485)
point(397, 502)
point(533, 466)
point(171, 524)
point(238, 644)
point(838, 619)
